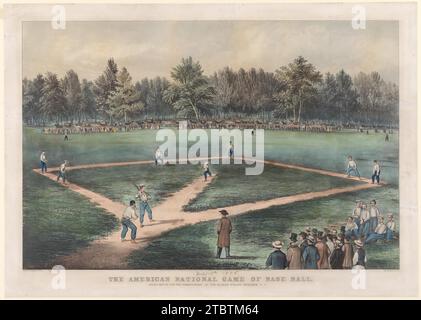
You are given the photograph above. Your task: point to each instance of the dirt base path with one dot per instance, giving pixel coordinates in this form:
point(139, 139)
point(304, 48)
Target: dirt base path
point(110, 253)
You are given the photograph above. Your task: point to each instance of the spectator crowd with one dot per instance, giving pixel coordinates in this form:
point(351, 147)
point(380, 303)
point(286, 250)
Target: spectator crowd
point(245, 123)
point(331, 248)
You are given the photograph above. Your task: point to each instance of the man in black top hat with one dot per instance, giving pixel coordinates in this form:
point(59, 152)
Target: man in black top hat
point(294, 253)
point(303, 241)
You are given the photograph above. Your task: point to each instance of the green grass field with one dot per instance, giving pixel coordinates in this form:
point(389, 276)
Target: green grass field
point(117, 183)
point(272, 183)
point(194, 247)
point(58, 221)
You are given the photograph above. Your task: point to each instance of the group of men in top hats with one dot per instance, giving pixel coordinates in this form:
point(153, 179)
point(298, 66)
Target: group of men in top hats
point(313, 249)
point(328, 249)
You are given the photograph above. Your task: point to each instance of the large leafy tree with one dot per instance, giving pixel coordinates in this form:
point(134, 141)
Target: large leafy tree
point(375, 94)
point(32, 93)
point(105, 86)
point(155, 100)
point(27, 101)
point(190, 94)
point(295, 90)
point(87, 100)
point(224, 84)
point(72, 93)
point(152, 95)
point(144, 90)
point(268, 86)
point(345, 96)
point(369, 89)
point(390, 98)
point(362, 86)
point(300, 78)
point(378, 100)
point(125, 101)
point(53, 100)
point(244, 91)
point(328, 90)
point(284, 105)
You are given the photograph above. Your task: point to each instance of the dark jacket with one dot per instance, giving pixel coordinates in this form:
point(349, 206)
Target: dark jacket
point(336, 258)
point(303, 245)
point(224, 231)
point(277, 260)
point(310, 257)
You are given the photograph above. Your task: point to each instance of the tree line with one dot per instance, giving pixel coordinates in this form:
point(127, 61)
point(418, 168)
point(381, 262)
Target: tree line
point(295, 92)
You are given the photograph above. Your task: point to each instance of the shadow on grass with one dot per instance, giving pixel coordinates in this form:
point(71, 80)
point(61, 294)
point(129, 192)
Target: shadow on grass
point(158, 222)
point(241, 258)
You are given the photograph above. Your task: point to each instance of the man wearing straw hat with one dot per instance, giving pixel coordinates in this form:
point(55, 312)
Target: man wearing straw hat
point(277, 259)
point(360, 259)
point(224, 230)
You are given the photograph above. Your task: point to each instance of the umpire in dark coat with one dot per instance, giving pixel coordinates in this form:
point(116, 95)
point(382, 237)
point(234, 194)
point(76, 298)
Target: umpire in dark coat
point(224, 230)
point(277, 259)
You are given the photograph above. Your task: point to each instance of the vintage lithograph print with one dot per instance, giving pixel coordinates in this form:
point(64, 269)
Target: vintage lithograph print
point(216, 150)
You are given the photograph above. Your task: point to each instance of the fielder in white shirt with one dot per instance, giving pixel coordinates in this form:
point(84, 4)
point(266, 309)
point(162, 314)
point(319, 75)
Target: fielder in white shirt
point(374, 215)
point(158, 156)
point(376, 172)
point(129, 215)
point(206, 171)
point(62, 172)
point(352, 168)
point(365, 221)
point(43, 162)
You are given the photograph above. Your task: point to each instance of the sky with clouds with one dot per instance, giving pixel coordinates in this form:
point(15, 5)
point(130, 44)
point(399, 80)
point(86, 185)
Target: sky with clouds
point(152, 48)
